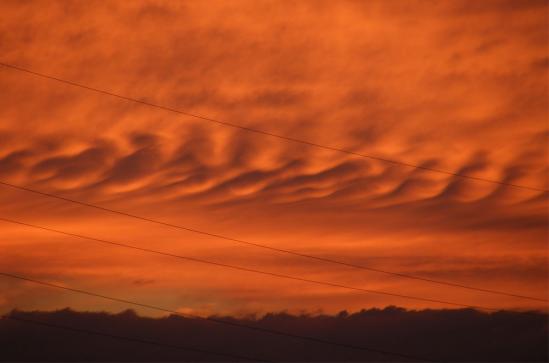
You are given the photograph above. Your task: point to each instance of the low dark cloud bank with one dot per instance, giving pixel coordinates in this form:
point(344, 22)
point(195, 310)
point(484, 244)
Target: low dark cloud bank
point(442, 335)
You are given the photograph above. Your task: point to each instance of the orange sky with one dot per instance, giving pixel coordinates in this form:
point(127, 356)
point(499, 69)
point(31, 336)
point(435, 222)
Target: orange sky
point(454, 85)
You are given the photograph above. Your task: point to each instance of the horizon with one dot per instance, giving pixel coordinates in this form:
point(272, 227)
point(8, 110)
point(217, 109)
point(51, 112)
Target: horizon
point(312, 314)
point(94, 336)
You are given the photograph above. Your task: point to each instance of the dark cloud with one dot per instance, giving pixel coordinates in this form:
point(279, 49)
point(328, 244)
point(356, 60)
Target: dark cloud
point(195, 149)
point(460, 186)
point(278, 98)
point(333, 175)
point(93, 159)
point(408, 188)
point(141, 282)
point(542, 63)
point(13, 162)
point(501, 6)
point(142, 162)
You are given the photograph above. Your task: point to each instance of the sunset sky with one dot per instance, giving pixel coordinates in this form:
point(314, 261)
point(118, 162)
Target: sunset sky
point(460, 86)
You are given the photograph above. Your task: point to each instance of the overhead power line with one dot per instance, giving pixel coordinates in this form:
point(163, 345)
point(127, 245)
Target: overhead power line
point(265, 133)
point(219, 320)
point(246, 269)
point(267, 247)
point(131, 339)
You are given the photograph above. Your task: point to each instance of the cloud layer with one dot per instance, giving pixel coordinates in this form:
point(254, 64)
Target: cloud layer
point(454, 85)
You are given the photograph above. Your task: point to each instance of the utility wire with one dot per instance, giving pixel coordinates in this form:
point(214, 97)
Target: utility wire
point(265, 133)
point(267, 247)
point(246, 269)
point(132, 339)
point(219, 321)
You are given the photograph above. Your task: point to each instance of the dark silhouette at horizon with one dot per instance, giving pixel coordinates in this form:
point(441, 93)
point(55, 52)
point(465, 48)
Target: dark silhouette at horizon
point(441, 335)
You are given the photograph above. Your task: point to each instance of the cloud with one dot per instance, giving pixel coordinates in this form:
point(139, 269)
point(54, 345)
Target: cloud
point(463, 91)
point(69, 167)
point(13, 162)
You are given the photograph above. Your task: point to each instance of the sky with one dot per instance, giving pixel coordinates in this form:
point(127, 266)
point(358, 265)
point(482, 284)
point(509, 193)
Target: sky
point(454, 85)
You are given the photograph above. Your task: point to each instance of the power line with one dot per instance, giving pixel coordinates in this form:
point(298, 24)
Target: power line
point(266, 133)
point(219, 321)
point(246, 269)
point(259, 245)
point(132, 339)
